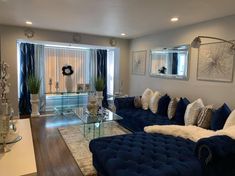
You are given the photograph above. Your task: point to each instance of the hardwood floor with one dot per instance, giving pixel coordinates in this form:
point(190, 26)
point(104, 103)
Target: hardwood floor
point(53, 157)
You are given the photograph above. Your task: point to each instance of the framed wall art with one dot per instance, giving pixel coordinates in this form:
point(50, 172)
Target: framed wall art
point(215, 62)
point(139, 62)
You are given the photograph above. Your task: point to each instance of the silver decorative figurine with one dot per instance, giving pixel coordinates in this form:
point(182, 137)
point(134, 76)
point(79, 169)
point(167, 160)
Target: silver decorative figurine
point(4, 111)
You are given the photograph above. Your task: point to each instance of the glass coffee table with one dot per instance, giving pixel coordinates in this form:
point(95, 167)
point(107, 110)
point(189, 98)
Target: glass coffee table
point(94, 125)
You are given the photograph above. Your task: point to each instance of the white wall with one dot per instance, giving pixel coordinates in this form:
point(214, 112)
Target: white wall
point(10, 35)
point(212, 92)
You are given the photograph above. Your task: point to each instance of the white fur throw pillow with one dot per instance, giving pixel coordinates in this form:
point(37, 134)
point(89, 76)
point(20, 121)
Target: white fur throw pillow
point(146, 98)
point(230, 120)
point(154, 101)
point(192, 111)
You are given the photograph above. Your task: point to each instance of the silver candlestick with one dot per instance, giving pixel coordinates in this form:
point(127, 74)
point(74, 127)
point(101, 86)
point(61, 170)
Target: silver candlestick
point(50, 84)
point(57, 86)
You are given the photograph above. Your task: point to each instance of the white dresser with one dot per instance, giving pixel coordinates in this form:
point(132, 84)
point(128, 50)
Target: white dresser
point(21, 159)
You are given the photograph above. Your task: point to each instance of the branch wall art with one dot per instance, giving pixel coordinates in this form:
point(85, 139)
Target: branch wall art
point(215, 62)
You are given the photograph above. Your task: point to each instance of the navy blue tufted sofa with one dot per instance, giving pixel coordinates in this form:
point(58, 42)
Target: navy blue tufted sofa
point(135, 119)
point(145, 154)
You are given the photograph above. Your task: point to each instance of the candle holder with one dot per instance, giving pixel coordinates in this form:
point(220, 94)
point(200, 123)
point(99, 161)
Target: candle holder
point(50, 84)
point(57, 86)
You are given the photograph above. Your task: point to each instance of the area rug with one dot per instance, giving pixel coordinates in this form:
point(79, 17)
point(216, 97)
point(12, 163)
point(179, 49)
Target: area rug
point(79, 145)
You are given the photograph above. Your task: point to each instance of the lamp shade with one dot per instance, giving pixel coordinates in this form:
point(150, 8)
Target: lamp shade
point(196, 42)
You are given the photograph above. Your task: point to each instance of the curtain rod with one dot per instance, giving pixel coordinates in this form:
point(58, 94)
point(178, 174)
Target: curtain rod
point(38, 42)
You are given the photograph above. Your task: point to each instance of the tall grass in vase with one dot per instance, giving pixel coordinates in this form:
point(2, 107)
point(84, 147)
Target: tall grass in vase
point(99, 87)
point(34, 84)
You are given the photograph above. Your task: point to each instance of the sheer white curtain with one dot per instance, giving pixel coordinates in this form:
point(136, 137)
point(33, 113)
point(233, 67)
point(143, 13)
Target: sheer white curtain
point(110, 72)
point(56, 58)
point(93, 68)
point(40, 73)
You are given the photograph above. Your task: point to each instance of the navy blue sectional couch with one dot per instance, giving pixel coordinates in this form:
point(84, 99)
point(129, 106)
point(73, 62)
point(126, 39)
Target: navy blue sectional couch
point(135, 119)
point(145, 154)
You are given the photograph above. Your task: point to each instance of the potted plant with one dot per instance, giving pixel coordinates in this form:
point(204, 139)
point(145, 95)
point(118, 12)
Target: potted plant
point(34, 86)
point(99, 87)
point(99, 84)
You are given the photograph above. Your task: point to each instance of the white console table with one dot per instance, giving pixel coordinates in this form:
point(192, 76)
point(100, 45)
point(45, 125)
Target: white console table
point(20, 161)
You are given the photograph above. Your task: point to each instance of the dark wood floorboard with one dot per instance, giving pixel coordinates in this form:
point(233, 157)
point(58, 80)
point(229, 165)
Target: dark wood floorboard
point(53, 157)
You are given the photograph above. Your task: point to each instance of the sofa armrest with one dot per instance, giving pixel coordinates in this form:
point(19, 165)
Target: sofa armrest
point(214, 148)
point(124, 103)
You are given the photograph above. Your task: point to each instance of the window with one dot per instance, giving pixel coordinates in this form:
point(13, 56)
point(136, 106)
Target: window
point(181, 70)
point(83, 61)
point(56, 58)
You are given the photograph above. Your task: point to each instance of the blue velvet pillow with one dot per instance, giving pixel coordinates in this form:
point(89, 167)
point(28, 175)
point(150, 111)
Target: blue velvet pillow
point(123, 103)
point(180, 110)
point(219, 117)
point(163, 105)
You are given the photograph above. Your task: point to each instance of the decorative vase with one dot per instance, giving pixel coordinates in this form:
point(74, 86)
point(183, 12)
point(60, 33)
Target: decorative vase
point(34, 105)
point(92, 106)
point(99, 97)
point(69, 83)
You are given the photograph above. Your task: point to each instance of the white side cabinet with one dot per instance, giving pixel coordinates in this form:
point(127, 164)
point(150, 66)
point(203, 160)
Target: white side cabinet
point(21, 159)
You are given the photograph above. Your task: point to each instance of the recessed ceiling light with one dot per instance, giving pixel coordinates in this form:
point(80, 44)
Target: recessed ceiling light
point(174, 19)
point(123, 34)
point(29, 22)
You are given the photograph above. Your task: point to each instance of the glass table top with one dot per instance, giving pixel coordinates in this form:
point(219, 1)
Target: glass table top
point(104, 116)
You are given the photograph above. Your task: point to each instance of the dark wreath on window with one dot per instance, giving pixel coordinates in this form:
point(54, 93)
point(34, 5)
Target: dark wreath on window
point(67, 70)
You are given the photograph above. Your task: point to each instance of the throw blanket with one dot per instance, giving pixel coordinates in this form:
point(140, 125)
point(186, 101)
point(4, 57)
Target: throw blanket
point(193, 133)
point(228, 132)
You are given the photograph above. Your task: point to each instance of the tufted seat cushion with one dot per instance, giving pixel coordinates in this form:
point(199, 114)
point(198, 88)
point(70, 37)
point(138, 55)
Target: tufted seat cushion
point(144, 154)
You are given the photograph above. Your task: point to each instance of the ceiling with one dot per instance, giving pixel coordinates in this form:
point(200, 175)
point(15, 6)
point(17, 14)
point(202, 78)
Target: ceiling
point(112, 17)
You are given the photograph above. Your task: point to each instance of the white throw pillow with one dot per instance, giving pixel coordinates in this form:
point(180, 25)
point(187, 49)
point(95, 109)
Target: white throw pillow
point(192, 111)
point(145, 99)
point(230, 120)
point(154, 101)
